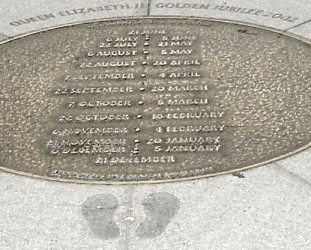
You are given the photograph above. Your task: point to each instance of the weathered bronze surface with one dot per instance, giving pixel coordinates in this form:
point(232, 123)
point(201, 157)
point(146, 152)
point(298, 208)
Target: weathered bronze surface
point(151, 99)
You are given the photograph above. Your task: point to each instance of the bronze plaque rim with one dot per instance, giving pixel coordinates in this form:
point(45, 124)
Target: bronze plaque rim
point(164, 180)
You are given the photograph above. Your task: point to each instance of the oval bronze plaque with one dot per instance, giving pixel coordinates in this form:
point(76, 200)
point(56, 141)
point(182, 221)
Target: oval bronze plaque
point(151, 99)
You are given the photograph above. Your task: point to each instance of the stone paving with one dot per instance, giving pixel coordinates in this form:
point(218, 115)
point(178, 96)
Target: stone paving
point(263, 208)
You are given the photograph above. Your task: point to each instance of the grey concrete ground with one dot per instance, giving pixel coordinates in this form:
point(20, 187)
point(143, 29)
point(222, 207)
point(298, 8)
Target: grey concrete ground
point(264, 208)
